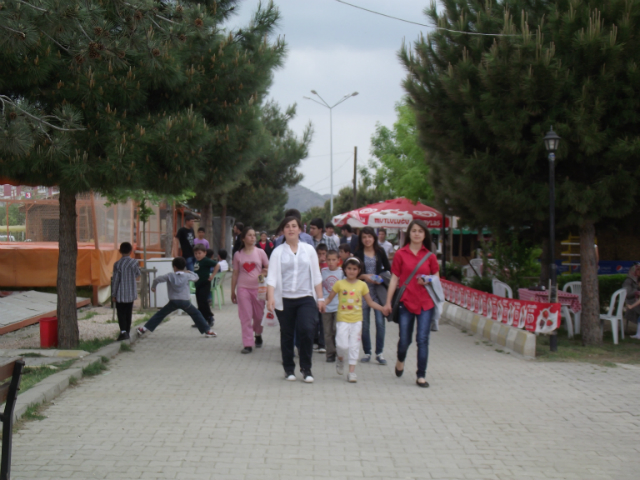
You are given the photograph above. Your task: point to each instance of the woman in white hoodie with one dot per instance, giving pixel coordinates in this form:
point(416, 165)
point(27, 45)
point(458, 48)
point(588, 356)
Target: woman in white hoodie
point(294, 291)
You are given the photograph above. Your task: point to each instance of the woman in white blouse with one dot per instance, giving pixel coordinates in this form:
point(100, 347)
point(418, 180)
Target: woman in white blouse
point(294, 291)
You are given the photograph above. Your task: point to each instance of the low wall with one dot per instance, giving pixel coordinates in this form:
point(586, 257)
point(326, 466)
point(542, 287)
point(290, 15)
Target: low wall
point(514, 339)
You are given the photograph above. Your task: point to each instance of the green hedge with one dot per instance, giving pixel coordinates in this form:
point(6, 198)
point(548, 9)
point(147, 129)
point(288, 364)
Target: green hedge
point(607, 284)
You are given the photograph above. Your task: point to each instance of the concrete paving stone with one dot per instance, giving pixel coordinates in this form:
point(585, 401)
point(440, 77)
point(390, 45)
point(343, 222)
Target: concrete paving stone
point(184, 407)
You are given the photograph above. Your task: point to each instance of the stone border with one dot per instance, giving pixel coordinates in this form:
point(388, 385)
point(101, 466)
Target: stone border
point(513, 339)
point(55, 384)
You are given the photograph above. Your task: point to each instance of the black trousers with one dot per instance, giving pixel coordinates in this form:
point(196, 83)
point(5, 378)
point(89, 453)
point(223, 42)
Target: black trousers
point(124, 311)
point(202, 297)
point(299, 316)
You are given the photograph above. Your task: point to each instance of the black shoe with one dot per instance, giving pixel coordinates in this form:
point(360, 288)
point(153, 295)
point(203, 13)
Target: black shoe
point(121, 337)
point(331, 359)
point(422, 385)
point(247, 350)
point(258, 341)
point(399, 372)
point(126, 336)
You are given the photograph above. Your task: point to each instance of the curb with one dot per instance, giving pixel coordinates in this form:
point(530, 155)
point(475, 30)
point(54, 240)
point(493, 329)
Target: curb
point(55, 384)
point(512, 339)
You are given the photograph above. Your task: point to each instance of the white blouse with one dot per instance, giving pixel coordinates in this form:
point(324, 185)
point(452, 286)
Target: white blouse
point(296, 273)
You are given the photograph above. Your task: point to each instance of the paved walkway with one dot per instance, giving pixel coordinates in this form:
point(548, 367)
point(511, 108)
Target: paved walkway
point(185, 407)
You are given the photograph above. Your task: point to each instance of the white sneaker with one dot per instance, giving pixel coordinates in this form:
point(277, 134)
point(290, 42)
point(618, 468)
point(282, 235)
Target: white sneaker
point(352, 377)
point(308, 378)
point(637, 337)
point(290, 377)
point(339, 367)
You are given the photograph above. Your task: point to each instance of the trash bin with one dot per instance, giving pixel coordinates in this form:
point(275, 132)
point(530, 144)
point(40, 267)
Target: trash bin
point(48, 332)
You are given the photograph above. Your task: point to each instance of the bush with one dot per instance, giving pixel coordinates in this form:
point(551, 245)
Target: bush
point(517, 261)
point(481, 283)
point(453, 271)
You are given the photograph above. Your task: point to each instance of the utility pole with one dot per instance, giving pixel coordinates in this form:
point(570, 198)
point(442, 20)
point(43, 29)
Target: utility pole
point(355, 170)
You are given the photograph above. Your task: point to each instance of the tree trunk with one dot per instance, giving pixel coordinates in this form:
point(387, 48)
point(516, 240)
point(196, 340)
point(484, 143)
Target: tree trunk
point(169, 233)
point(590, 317)
point(206, 222)
point(223, 227)
point(67, 259)
point(545, 273)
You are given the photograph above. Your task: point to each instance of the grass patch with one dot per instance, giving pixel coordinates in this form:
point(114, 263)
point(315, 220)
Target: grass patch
point(572, 350)
point(73, 381)
point(89, 315)
point(94, 369)
point(32, 375)
point(125, 347)
point(33, 412)
point(31, 355)
point(499, 350)
point(142, 320)
point(464, 330)
point(95, 344)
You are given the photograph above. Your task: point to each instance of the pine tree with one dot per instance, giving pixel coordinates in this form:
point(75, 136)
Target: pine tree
point(483, 104)
point(260, 199)
point(118, 66)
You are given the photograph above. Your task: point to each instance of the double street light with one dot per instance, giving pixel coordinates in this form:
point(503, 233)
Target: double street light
point(330, 107)
point(551, 142)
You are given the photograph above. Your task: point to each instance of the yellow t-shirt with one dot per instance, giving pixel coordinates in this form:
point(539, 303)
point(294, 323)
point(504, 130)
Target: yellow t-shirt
point(350, 300)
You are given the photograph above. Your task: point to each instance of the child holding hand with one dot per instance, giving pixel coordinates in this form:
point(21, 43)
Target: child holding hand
point(350, 292)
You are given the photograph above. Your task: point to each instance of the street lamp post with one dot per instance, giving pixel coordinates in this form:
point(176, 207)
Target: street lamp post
point(551, 142)
point(330, 107)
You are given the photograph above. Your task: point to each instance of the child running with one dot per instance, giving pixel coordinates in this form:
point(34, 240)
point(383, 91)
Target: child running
point(330, 275)
point(249, 262)
point(203, 268)
point(350, 292)
point(179, 298)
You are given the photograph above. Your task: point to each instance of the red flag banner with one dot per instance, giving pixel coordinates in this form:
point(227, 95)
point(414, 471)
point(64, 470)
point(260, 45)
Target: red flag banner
point(534, 317)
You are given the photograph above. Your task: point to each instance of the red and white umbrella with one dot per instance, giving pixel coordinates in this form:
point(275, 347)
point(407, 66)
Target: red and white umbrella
point(397, 213)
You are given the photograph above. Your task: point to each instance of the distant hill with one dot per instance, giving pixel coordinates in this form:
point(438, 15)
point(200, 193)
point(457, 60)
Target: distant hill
point(303, 199)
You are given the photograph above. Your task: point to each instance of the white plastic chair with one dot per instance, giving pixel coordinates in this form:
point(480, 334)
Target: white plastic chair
point(576, 289)
point(615, 319)
point(566, 314)
point(476, 263)
point(501, 289)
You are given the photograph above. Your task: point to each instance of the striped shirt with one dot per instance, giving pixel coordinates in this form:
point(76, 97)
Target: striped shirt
point(123, 281)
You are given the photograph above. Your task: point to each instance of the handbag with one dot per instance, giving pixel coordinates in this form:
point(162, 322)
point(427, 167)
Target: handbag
point(397, 295)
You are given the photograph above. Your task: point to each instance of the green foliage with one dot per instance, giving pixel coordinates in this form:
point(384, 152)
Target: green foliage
point(481, 283)
point(33, 375)
point(484, 103)
point(93, 369)
point(453, 271)
point(16, 217)
point(125, 347)
point(399, 168)
point(517, 260)
point(33, 412)
point(260, 198)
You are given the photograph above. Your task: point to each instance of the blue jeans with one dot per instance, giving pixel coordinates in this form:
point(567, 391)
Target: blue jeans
point(298, 317)
point(366, 337)
point(407, 319)
point(174, 305)
point(190, 263)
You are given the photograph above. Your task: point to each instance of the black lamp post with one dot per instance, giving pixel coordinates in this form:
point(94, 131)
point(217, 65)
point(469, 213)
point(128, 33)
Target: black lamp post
point(551, 142)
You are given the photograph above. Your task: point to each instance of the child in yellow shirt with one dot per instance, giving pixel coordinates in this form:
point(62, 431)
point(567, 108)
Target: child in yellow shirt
point(351, 293)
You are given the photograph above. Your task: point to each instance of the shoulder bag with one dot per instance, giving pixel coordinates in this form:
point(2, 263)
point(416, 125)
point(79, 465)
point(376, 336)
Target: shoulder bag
point(397, 295)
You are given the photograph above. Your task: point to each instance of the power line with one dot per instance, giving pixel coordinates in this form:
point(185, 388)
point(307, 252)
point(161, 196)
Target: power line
point(326, 155)
point(325, 178)
point(428, 26)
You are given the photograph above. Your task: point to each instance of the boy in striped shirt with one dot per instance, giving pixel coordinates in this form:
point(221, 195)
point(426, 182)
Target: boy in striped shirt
point(123, 288)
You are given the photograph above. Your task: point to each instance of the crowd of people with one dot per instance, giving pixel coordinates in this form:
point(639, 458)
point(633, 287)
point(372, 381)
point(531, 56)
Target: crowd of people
point(321, 287)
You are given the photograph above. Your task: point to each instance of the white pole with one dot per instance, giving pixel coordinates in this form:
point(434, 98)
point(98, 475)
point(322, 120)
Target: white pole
point(331, 151)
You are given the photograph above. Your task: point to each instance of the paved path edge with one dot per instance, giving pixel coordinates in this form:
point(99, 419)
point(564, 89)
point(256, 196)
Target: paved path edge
point(55, 384)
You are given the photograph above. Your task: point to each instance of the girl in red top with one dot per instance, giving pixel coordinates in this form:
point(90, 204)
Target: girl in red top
point(415, 302)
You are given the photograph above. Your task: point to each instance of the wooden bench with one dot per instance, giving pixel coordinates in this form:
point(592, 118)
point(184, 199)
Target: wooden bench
point(11, 370)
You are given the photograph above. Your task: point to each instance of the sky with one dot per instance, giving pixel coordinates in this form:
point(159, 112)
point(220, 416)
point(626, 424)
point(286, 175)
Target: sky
point(336, 49)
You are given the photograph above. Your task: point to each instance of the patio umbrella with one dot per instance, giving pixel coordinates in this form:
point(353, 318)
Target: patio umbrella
point(396, 213)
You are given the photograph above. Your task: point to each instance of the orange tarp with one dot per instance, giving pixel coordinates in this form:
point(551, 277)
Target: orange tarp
point(36, 264)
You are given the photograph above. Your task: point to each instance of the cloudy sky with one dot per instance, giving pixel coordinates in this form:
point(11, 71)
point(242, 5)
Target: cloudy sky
point(336, 49)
